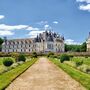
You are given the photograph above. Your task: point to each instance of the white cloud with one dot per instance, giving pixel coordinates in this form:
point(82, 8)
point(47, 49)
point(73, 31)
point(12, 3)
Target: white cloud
point(42, 22)
point(6, 33)
point(55, 22)
point(46, 26)
point(71, 42)
point(2, 16)
point(33, 34)
point(31, 28)
point(9, 27)
point(87, 1)
point(85, 7)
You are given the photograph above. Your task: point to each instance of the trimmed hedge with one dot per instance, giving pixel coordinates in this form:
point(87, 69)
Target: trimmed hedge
point(8, 62)
point(21, 57)
point(64, 57)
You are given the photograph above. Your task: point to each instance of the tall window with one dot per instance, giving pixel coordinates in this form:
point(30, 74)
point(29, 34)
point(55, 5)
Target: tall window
point(50, 46)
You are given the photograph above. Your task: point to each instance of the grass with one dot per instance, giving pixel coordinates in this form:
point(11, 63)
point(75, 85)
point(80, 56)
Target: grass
point(85, 60)
point(8, 77)
point(81, 77)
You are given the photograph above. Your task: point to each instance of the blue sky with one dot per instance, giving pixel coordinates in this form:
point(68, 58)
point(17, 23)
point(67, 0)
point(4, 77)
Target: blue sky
point(26, 18)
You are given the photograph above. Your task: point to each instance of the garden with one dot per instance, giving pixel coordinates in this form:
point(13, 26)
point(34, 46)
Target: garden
point(14, 65)
point(78, 67)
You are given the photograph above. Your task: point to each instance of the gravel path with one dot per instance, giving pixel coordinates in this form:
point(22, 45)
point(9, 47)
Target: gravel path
point(44, 75)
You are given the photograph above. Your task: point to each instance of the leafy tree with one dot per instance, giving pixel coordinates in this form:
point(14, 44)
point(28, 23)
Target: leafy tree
point(83, 47)
point(1, 41)
point(72, 48)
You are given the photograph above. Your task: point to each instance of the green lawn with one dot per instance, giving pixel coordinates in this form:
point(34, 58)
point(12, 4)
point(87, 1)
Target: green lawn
point(81, 77)
point(8, 77)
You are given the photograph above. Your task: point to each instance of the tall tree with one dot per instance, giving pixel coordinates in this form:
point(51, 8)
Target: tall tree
point(83, 47)
point(1, 41)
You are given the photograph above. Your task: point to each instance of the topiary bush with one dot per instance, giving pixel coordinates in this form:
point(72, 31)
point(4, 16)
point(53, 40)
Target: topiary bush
point(34, 55)
point(8, 62)
point(64, 57)
point(21, 57)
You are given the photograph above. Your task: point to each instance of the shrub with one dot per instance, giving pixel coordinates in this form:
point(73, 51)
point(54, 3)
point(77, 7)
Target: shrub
point(14, 65)
point(64, 57)
point(86, 56)
point(21, 57)
point(34, 54)
point(71, 56)
point(8, 62)
point(84, 68)
point(50, 54)
point(79, 62)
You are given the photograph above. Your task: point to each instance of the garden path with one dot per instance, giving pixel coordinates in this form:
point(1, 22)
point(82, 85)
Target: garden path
point(44, 75)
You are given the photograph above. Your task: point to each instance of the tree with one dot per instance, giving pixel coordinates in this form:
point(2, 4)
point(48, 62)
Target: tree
point(1, 41)
point(72, 48)
point(83, 47)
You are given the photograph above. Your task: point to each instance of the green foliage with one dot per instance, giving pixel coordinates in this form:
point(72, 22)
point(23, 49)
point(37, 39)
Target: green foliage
point(8, 77)
point(8, 62)
point(15, 55)
point(81, 77)
point(34, 55)
point(71, 56)
point(79, 62)
point(21, 57)
point(1, 41)
point(50, 54)
point(2, 54)
point(72, 48)
point(64, 57)
point(76, 48)
point(83, 47)
point(84, 68)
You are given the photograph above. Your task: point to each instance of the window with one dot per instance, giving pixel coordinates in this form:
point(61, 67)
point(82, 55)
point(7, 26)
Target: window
point(29, 50)
point(50, 46)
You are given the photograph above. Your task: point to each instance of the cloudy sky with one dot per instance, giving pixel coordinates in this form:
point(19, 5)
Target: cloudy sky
point(27, 18)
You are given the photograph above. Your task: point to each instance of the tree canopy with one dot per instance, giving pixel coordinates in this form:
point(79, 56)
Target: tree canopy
point(1, 41)
point(76, 48)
